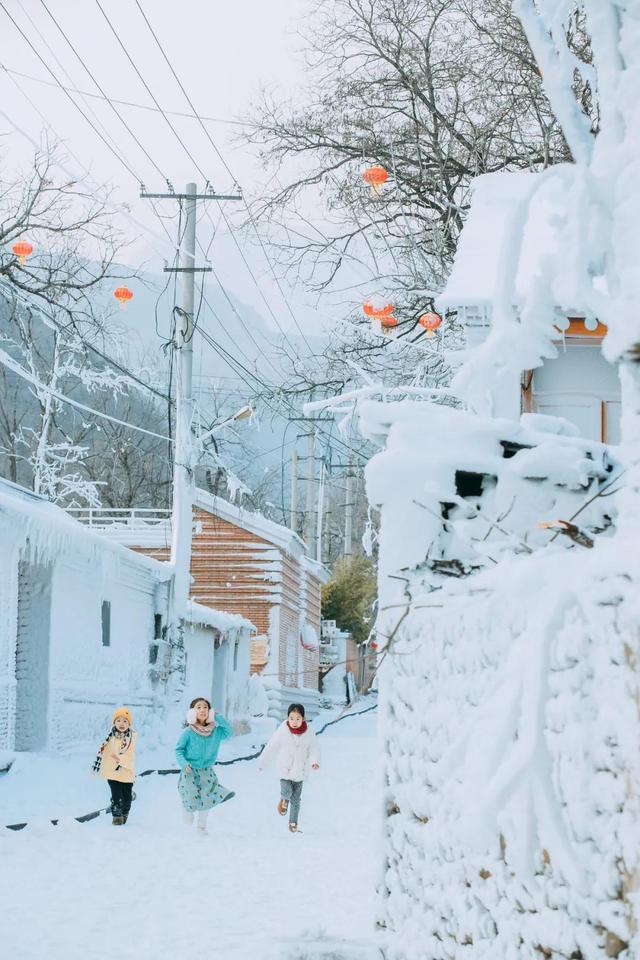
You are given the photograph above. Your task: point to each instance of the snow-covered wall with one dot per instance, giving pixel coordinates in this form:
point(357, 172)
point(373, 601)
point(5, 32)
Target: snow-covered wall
point(77, 623)
point(511, 736)
point(508, 690)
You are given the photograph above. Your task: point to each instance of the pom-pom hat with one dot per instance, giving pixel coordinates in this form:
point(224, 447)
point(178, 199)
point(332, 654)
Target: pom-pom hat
point(123, 712)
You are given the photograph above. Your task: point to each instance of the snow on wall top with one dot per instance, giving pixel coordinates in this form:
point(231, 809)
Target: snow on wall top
point(218, 619)
point(254, 522)
point(47, 531)
point(500, 201)
point(479, 469)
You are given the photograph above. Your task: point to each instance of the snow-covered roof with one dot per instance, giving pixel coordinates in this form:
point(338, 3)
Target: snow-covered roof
point(197, 613)
point(48, 530)
point(494, 225)
point(255, 522)
point(316, 569)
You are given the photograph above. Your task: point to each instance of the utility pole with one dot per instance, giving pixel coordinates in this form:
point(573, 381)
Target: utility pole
point(348, 510)
point(323, 473)
point(308, 518)
point(293, 510)
point(184, 455)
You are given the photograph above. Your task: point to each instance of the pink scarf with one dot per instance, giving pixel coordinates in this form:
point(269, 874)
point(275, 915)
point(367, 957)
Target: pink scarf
point(202, 729)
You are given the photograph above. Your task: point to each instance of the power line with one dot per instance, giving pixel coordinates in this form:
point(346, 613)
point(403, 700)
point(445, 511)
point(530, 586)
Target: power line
point(15, 367)
point(227, 168)
point(49, 319)
point(117, 209)
point(150, 92)
point(229, 171)
point(231, 360)
point(100, 88)
point(121, 103)
point(242, 323)
point(119, 156)
point(109, 146)
point(198, 168)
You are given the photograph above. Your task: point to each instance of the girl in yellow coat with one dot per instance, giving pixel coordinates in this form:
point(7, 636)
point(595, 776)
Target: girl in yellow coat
point(116, 762)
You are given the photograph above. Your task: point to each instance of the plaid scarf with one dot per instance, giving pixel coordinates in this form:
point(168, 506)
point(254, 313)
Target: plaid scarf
point(124, 746)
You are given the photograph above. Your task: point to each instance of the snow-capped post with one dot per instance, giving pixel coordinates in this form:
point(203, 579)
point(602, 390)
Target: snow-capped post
point(183, 478)
point(185, 450)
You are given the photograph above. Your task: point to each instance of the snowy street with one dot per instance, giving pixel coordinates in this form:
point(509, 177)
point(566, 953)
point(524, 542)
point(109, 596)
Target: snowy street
point(154, 889)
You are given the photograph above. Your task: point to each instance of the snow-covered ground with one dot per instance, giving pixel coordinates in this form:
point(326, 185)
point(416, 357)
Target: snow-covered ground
point(153, 889)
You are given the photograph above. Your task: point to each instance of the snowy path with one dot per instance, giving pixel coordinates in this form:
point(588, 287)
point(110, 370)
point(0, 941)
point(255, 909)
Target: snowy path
point(248, 891)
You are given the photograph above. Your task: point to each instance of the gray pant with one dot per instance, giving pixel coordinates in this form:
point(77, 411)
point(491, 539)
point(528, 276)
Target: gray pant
point(291, 790)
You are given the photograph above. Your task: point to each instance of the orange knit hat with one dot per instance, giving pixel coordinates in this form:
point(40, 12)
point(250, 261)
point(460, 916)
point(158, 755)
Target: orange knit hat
point(123, 712)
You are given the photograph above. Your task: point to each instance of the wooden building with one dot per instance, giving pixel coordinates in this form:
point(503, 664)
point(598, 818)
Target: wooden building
point(242, 563)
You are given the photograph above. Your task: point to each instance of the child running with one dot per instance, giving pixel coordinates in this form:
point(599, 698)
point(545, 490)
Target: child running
point(196, 752)
point(116, 762)
point(297, 749)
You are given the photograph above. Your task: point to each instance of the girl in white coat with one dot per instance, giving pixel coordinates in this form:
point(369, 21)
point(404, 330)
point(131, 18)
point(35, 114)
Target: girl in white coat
point(297, 749)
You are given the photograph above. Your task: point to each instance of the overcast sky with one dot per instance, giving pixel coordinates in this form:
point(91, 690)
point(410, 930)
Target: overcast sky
point(222, 52)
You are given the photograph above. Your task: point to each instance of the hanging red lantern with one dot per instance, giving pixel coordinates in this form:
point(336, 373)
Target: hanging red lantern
point(123, 295)
point(22, 250)
point(388, 323)
point(430, 322)
point(375, 176)
point(372, 310)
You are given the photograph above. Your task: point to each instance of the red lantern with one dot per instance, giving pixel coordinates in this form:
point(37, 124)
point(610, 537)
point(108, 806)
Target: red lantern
point(388, 323)
point(123, 295)
point(431, 322)
point(22, 250)
point(375, 176)
point(374, 645)
point(377, 312)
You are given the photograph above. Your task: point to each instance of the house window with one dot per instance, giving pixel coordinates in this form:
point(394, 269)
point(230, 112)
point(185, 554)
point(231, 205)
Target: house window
point(106, 623)
point(157, 626)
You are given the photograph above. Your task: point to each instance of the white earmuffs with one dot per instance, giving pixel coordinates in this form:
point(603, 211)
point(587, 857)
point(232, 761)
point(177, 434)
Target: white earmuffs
point(192, 716)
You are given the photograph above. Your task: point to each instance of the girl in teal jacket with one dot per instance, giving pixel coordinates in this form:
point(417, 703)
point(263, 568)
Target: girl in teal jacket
point(197, 752)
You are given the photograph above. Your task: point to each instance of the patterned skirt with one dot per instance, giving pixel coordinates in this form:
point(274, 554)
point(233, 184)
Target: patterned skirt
point(200, 790)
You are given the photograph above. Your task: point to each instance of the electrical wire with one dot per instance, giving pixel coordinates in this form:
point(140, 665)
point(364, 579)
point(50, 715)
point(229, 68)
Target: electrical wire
point(200, 170)
point(203, 175)
point(230, 172)
point(149, 91)
point(234, 364)
point(109, 145)
point(11, 364)
point(51, 321)
point(100, 88)
point(121, 103)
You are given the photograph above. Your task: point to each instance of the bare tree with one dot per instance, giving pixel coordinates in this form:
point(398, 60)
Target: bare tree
point(436, 92)
point(71, 229)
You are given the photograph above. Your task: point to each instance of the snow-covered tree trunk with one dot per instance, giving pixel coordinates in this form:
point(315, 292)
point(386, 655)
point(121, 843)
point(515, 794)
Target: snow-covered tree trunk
point(46, 401)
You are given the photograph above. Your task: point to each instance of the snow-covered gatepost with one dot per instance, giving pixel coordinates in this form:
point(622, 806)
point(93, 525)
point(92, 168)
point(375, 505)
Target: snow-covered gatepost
point(509, 675)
